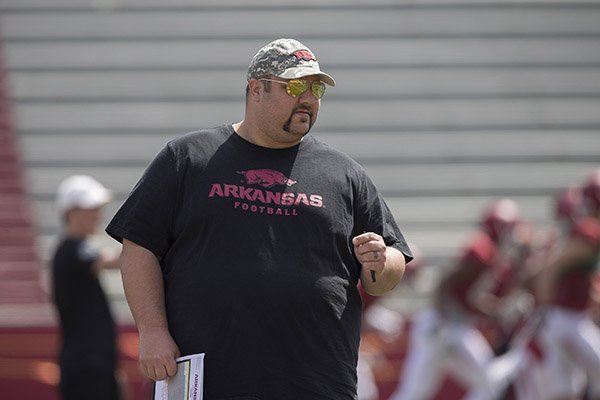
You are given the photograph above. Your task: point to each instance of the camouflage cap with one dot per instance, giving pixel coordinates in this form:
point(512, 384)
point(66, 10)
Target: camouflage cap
point(287, 59)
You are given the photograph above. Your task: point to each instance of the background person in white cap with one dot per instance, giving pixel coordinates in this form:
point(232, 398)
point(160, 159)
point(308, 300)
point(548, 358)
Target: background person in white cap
point(88, 356)
point(246, 242)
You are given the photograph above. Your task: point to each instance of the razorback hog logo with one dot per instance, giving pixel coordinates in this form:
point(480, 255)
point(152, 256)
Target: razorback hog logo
point(304, 55)
point(266, 178)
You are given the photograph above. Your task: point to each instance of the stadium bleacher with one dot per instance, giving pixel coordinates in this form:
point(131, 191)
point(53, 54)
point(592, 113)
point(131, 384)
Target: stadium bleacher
point(447, 103)
point(20, 270)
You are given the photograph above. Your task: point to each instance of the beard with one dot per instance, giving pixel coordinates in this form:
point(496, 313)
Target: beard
point(311, 121)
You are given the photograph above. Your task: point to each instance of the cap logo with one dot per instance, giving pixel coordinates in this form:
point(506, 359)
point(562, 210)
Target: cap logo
point(304, 55)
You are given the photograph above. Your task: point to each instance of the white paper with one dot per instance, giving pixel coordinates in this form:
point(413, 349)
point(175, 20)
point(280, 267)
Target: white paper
point(186, 384)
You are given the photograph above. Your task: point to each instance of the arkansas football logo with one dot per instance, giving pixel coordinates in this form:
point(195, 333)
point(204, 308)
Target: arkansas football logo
point(304, 55)
point(266, 178)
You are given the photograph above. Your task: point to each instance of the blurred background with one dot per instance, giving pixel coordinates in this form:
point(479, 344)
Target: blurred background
point(447, 104)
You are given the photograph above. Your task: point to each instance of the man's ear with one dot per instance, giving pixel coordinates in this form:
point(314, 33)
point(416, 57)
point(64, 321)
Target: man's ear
point(255, 87)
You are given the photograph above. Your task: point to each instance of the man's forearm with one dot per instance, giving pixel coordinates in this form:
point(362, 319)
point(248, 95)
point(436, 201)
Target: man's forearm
point(144, 289)
point(143, 284)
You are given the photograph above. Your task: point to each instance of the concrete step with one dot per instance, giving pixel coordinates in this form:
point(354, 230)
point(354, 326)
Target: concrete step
point(15, 212)
point(28, 291)
point(17, 236)
point(375, 20)
point(361, 113)
point(45, 149)
point(17, 253)
point(19, 271)
point(337, 53)
point(408, 83)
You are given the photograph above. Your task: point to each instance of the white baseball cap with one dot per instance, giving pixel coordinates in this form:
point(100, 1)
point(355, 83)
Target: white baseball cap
point(81, 191)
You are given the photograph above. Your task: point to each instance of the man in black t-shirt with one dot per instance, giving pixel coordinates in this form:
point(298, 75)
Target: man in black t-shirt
point(246, 242)
point(88, 355)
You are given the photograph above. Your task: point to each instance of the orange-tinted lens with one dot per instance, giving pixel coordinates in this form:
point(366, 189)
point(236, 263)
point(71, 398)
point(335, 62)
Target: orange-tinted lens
point(318, 89)
point(296, 87)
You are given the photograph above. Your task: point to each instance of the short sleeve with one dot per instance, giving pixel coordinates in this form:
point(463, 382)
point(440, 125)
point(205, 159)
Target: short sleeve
point(87, 253)
point(146, 217)
point(84, 258)
point(372, 214)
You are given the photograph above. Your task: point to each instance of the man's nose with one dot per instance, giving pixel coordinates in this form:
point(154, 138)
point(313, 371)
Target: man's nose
point(308, 96)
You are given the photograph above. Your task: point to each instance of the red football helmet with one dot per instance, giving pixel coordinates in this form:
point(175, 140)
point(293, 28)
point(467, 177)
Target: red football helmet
point(568, 203)
point(590, 192)
point(500, 218)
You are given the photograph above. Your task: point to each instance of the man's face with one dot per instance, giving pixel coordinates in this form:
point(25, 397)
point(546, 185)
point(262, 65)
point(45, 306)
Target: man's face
point(290, 117)
point(86, 220)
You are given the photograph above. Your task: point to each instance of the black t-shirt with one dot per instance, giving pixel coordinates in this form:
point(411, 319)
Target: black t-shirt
point(89, 338)
point(257, 260)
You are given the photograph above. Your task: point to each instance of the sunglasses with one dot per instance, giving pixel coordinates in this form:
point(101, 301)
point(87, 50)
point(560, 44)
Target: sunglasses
point(295, 87)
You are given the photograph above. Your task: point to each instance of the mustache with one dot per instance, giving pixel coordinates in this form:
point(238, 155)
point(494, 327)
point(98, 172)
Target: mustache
point(309, 111)
point(303, 109)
